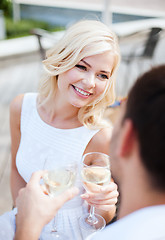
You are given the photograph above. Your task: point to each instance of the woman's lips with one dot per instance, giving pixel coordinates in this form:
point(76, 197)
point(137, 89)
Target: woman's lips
point(81, 91)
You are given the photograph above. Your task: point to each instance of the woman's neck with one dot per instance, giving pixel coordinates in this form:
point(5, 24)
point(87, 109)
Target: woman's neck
point(59, 114)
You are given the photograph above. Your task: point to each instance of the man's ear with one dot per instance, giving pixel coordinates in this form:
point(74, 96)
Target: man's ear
point(127, 138)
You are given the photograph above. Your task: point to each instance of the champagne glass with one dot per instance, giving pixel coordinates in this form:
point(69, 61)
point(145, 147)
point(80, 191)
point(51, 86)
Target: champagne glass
point(58, 177)
point(95, 171)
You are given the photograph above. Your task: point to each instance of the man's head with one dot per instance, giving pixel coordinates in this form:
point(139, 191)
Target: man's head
point(143, 121)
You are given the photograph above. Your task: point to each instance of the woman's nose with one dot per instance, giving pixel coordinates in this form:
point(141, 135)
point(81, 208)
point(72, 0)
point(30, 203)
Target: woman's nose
point(89, 80)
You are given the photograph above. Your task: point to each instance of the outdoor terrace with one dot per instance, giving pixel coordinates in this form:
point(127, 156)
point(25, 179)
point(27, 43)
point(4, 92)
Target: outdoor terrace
point(21, 69)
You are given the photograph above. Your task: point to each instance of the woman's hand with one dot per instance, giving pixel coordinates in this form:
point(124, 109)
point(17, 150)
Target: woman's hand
point(102, 197)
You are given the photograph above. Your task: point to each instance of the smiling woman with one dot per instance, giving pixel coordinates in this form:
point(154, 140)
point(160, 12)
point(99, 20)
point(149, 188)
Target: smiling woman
point(64, 118)
point(84, 39)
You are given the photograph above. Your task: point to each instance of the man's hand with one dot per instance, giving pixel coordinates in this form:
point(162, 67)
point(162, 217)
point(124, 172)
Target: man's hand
point(35, 208)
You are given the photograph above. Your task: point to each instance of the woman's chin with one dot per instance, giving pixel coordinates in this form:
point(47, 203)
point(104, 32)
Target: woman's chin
point(78, 105)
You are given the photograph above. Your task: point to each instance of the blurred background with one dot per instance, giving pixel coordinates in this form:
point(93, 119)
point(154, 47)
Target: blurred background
point(29, 27)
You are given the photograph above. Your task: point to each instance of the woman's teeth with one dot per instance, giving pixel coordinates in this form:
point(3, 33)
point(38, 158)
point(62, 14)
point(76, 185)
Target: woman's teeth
point(81, 91)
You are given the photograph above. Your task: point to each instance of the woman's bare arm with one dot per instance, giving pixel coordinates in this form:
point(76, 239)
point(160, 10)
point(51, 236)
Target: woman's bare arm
point(16, 181)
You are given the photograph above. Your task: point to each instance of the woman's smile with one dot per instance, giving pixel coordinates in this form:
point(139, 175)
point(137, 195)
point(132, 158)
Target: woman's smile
point(81, 92)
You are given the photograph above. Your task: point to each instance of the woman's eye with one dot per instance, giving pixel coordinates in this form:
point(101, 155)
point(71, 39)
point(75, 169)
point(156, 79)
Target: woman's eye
point(103, 76)
point(81, 67)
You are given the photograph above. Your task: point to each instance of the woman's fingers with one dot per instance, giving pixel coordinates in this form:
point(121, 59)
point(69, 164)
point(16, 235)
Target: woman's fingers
point(100, 196)
point(94, 188)
point(112, 201)
point(109, 188)
point(104, 207)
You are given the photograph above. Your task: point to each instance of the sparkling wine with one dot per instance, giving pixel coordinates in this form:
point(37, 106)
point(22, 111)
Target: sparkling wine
point(57, 181)
point(95, 175)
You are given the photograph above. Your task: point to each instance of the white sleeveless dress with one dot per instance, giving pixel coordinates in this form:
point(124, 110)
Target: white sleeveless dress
point(38, 140)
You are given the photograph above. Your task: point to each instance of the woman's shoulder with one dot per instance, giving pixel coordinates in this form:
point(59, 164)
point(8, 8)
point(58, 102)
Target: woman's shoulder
point(103, 136)
point(100, 141)
point(15, 110)
point(16, 104)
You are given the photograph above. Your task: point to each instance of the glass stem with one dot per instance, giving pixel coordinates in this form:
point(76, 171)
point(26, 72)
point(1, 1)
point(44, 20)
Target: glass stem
point(92, 218)
point(54, 229)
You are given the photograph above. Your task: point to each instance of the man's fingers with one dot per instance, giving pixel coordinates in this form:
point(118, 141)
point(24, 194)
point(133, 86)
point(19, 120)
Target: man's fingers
point(45, 191)
point(67, 195)
point(36, 176)
point(70, 193)
point(19, 194)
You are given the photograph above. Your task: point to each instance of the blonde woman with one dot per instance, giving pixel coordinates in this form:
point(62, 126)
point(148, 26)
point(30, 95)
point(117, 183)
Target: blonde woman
point(66, 116)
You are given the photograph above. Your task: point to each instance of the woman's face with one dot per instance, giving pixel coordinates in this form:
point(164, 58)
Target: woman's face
point(87, 80)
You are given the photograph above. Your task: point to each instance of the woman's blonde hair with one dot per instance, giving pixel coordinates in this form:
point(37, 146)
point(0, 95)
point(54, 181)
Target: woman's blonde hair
point(83, 39)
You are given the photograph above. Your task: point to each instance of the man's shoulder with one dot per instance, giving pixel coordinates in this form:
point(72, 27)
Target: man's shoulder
point(144, 224)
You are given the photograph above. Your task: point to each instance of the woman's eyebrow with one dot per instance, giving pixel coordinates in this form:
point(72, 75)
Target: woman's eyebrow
point(86, 63)
point(107, 72)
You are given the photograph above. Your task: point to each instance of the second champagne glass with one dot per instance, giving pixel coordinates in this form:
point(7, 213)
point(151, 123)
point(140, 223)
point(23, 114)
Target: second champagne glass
point(59, 176)
point(95, 172)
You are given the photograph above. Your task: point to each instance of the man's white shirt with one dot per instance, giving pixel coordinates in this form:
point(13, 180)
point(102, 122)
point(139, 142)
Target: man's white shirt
point(144, 224)
point(7, 225)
